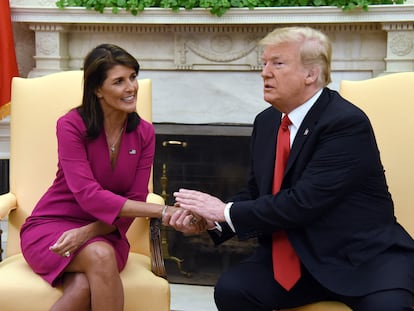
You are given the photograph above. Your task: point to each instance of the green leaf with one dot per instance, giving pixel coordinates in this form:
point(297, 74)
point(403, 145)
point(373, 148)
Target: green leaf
point(216, 7)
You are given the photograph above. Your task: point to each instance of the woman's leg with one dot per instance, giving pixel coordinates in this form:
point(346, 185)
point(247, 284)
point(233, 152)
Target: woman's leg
point(98, 263)
point(76, 294)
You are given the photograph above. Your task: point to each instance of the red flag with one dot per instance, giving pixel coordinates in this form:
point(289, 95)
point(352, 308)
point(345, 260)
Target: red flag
point(8, 63)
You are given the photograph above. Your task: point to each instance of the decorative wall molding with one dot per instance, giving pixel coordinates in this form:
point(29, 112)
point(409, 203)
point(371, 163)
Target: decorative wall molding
point(26, 12)
point(185, 33)
point(206, 69)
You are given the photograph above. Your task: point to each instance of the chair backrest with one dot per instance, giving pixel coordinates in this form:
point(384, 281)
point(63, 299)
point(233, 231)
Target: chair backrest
point(389, 103)
point(36, 104)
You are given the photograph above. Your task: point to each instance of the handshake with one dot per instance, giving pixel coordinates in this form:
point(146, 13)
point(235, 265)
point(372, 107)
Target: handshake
point(193, 212)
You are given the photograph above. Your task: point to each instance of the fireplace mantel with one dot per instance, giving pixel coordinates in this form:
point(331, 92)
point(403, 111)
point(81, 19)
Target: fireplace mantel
point(206, 69)
point(280, 15)
point(57, 30)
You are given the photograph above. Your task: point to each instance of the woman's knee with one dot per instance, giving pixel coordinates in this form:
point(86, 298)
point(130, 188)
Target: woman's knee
point(101, 254)
point(98, 259)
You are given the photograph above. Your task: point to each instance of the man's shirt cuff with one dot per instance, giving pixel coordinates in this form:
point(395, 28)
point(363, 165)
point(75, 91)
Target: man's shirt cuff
point(227, 215)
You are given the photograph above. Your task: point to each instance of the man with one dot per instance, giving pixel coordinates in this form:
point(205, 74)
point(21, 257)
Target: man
point(330, 207)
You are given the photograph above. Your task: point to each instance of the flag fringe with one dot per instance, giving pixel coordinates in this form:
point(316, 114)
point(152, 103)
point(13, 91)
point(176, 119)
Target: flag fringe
point(4, 111)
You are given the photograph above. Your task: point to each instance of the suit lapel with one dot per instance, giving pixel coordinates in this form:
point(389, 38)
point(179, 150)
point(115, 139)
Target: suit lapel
point(307, 127)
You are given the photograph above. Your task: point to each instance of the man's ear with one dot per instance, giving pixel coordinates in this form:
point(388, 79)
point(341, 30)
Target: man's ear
point(312, 76)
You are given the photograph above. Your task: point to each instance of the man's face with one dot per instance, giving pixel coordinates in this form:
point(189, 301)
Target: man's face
point(284, 76)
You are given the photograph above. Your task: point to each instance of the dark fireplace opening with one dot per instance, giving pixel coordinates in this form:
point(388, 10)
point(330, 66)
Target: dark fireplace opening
point(4, 188)
point(4, 176)
point(213, 159)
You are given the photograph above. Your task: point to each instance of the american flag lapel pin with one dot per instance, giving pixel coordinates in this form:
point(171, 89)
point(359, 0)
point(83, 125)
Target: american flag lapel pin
point(132, 151)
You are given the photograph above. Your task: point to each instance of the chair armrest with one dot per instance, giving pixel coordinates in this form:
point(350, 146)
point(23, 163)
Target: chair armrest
point(157, 260)
point(8, 203)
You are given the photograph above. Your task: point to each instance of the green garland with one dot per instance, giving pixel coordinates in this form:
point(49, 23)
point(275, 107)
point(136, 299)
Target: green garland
point(216, 7)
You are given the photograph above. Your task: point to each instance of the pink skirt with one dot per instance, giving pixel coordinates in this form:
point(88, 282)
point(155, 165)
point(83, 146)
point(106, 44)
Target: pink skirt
point(39, 233)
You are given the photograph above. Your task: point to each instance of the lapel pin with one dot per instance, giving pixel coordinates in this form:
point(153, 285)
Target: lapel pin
point(306, 132)
point(132, 151)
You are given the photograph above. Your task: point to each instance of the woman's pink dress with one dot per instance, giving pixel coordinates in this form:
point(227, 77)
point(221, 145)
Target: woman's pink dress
point(87, 189)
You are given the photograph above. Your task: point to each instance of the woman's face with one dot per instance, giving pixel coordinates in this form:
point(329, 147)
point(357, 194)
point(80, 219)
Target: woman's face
point(119, 90)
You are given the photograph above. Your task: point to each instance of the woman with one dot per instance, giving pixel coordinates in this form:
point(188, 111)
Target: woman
point(75, 237)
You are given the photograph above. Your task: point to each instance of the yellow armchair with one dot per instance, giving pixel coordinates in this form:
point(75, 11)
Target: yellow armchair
point(35, 106)
point(387, 100)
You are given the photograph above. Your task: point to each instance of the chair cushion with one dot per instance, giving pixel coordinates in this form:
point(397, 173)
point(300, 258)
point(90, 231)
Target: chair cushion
point(322, 306)
point(23, 290)
point(139, 281)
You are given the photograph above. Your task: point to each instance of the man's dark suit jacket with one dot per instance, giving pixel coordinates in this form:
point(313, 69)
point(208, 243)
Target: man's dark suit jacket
point(334, 202)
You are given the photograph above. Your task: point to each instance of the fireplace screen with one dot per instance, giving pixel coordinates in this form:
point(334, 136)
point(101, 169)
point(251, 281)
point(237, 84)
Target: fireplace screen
point(214, 163)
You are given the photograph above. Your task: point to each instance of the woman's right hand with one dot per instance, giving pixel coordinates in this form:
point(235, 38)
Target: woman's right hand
point(72, 239)
point(184, 221)
point(69, 241)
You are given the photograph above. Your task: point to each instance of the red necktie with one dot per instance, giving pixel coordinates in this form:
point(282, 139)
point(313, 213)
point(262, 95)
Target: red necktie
point(286, 264)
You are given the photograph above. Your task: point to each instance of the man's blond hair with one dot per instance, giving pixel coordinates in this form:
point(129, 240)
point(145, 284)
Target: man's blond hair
point(315, 48)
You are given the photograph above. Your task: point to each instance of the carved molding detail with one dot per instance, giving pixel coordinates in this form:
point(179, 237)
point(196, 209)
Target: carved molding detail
point(398, 26)
point(47, 44)
point(47, 38)
point(402, 44)
point(128, 28)
point(214, 48)
point(120, 28)
point(48, 27)
point(365, 27)
point(221, 49)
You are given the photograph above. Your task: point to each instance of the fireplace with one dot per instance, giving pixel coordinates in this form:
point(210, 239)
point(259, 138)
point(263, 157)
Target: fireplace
point(4, 188)
point(209, 158)
point(4, 176)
